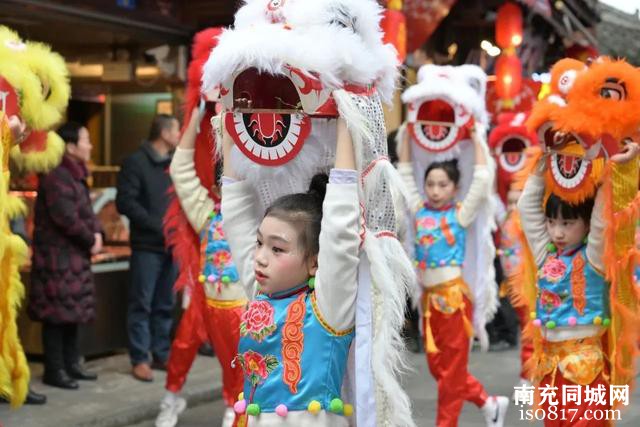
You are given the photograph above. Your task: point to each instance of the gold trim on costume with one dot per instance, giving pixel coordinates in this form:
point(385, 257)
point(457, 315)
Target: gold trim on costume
point(324, 323)
point(216, 303)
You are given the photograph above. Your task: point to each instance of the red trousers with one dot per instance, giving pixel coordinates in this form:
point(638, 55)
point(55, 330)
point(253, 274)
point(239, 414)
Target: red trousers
point(526, 346)
point(449, 364)
point(221, 322)
point(569, 415)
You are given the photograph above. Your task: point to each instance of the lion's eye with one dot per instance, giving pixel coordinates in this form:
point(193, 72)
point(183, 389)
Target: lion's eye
point(613, 90)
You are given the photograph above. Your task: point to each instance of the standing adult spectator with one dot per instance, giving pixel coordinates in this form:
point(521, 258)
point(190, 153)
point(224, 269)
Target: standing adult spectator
point(143, 183)
point(66, 234)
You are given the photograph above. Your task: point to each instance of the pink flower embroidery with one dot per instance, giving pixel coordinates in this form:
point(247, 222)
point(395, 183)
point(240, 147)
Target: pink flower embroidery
point(221, 259)
point(550, 300)
point(426, 223)
point(256, 367)
point(218, 234)
point(427, 240)
point(257, 320)
point(553, 269)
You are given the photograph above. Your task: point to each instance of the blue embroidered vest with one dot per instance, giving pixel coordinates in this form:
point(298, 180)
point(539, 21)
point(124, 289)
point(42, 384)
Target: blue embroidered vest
point(216, 264)
point(289, 355)
point(440, 239)
point(571, 292)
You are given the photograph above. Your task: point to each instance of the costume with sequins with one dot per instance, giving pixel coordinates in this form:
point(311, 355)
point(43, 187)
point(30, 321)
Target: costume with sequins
point(287, 71)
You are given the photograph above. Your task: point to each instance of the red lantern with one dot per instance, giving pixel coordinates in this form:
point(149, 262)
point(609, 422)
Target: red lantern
point(508, 76)
point(395, 31)
point(509, 26)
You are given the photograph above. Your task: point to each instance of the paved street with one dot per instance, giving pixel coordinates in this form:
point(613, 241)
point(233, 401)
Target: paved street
point(117, 400)
point(497, 371)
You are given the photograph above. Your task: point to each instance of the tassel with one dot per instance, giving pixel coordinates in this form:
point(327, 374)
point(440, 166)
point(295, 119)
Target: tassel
point(468, 327)
point(431, 342)
point(556, 361)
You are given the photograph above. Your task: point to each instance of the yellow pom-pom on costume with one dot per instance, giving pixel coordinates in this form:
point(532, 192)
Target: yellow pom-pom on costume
point(314, 407)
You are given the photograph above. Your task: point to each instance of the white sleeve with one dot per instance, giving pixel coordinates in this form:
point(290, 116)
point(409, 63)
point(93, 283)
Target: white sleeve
point(240, 223)
point(194, 198)
point(478, 191)
point(595, 240)
point(406, 173)
point(337, 276)
point(532, 217)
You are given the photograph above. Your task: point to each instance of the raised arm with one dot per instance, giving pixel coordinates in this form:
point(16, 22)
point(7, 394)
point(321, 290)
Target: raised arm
point(405, 169)
point(194, 198)
point(595, 239)
point(337, 275)
point(480, 187)
point(240, 212)
point(532, 216)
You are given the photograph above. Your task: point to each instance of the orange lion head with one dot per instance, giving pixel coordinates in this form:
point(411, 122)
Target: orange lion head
point(586, 118)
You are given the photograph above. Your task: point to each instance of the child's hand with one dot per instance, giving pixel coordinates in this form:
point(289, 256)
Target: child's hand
point(345, 157)
point(18, 128)
point(629, 152)
point(227, 145)
point(188, 139)
point(404, 153)
point(478, 132)
point(479, 135)
point(541, 165)
point(194, 120)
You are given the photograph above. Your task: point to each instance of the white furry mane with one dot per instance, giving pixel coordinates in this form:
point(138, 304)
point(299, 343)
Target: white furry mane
point(313, 31)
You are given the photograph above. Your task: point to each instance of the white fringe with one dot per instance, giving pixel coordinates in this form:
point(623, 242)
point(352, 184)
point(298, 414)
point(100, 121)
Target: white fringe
point(391, 272)
point(391, 275)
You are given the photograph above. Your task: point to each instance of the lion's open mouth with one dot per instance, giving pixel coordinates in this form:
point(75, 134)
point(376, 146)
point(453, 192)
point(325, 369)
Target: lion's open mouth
point(512, 156)
point(435, 128)
point(569, 171)
point(268, 124)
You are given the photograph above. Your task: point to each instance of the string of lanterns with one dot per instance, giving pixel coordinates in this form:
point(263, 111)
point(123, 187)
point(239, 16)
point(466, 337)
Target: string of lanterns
point(508, 66)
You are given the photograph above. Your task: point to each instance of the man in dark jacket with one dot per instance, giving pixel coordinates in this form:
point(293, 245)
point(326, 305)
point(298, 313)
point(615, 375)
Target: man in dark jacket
point(142, 196)
point(66, 234)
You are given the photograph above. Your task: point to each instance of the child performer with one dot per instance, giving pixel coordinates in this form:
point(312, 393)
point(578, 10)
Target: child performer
point(447, 305)
point(512, 250)
point(573, 307)
point(296, 333)
point(217, 304)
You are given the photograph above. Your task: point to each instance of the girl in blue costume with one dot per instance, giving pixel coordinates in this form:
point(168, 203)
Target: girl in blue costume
point(302, 260)
point(572, 309)
point(440, 226)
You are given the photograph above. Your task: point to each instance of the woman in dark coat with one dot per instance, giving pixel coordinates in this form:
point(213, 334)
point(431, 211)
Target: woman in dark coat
point(66, 234)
